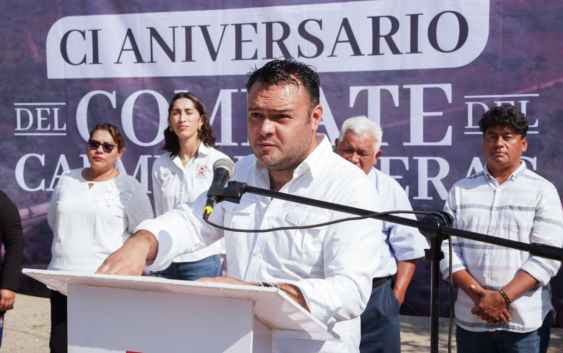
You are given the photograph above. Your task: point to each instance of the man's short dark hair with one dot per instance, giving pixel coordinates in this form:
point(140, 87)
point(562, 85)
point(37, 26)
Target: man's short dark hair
point(287, 71)
point(506, 115)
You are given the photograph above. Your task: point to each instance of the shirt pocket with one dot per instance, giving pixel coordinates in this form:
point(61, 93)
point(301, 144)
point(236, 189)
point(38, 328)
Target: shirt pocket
point(239, 216)
point(519, 222)
point(303, 245)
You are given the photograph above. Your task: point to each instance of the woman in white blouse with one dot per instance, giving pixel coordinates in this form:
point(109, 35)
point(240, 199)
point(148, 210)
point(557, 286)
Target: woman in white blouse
point(93, 211)
point(182, 174)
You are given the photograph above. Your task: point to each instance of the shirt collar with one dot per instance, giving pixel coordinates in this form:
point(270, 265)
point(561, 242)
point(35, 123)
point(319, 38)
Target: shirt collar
point(203, 150)
point(316, 159)
point(521, 169)
point(372, 176)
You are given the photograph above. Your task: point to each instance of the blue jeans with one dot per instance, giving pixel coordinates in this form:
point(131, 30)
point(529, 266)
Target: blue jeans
point(190, 271)
point(503, 341)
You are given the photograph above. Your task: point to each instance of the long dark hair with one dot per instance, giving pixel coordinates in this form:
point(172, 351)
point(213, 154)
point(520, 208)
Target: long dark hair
point(205, 134)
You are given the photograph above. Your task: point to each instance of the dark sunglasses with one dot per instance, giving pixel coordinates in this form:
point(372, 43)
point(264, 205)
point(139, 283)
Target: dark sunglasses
point(107, 147)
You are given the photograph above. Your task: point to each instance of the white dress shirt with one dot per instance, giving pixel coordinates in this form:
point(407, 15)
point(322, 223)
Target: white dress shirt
point(401, 243)
point(332, 266)
point(525, 208)
point(174, 183)
point(89, 224)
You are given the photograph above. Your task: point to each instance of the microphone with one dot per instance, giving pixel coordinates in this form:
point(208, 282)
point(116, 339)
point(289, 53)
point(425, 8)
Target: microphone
point(223, 170)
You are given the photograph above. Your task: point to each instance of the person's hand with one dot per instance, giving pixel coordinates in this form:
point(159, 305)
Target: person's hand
point(504, 317)
point(491, 306)
point(7, 299)
point(400, 294)
point(225, 280)
point(130, 259)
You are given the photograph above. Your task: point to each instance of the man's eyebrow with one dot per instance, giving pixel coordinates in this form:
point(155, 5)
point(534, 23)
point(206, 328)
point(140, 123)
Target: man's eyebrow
point(270, 110)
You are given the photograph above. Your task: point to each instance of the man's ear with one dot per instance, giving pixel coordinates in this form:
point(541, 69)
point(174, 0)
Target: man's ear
point(335, 144)
point(316, 116)
point(377, 155)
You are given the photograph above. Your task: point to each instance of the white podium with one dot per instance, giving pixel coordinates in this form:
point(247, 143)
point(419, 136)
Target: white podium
point(155, 315)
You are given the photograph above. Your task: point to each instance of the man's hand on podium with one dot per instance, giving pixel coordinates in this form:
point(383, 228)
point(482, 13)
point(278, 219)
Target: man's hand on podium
point(130, 259)
point(292, 291)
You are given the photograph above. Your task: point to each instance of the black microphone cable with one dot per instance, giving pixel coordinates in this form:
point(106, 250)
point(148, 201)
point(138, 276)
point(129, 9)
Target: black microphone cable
point(314, 225)
point(355, 219)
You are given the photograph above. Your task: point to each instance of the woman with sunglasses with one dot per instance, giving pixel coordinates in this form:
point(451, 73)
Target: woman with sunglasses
point(182, 174)
point(93, 211)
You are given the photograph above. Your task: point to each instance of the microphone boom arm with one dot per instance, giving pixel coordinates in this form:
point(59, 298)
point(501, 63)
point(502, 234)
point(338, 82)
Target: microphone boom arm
point(435, 227)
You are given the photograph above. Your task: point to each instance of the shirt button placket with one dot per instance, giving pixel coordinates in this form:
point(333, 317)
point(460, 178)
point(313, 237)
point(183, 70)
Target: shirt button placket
point(259, 249)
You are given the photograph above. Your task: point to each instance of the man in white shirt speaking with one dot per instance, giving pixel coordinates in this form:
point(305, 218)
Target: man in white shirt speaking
point(359, 143)
point(327, 270)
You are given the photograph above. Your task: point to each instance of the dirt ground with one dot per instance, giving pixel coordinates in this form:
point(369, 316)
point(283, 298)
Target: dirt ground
point(27, 327)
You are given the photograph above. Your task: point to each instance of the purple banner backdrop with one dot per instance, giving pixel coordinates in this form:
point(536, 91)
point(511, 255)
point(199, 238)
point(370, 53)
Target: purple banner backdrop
point(428, 107)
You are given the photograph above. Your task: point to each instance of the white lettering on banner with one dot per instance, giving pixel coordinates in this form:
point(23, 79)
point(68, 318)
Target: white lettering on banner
point(532, 160)
point(61, 163)
point(348, 36)
point(520, 101)
point(143, 167)
point(374, 101)
point(85, 161)
point(142, 171)
point(328, 119)
point(470, 115)
point(475, 167)
point(127, 117)
point(20, 171)
point(417, 115)
point(45, 116)
point(82, 111)
point(385, 163)
point(225, 101)
point(19, 126)
point(424, 179)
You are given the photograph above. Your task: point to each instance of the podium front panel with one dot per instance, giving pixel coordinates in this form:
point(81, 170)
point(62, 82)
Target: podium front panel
point(120, 320)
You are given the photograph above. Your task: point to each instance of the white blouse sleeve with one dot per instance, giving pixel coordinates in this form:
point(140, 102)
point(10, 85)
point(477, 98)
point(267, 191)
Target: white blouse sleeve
point(138, 208)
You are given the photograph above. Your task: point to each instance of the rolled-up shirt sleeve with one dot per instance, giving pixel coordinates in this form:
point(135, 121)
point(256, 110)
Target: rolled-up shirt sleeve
point(351, 254)
point(547, 229)
point(181, 231)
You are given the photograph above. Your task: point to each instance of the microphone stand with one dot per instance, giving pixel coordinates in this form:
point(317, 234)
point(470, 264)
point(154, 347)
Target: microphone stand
point(435, 227)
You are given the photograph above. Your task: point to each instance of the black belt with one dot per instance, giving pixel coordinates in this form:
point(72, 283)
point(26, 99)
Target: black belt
point(379, 281)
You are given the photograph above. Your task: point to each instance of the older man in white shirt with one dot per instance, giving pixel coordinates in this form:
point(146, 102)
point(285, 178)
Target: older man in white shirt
point(359, 143)
point(327, 270)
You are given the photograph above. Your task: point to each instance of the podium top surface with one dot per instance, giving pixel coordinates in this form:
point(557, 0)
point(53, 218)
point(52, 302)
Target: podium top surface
point(272, 306)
